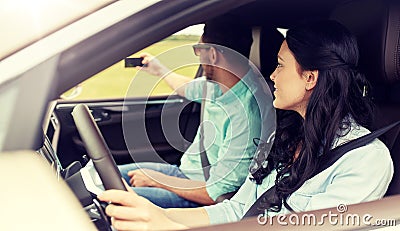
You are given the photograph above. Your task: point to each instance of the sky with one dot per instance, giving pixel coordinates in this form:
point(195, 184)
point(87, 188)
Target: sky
point(198, 30)
point(195, 30)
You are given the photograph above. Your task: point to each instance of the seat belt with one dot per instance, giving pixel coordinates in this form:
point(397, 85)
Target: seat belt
point(325, 161)
point(203, 154)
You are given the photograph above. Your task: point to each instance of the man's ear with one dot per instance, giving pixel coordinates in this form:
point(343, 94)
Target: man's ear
point(311, 79)
point(213, 56)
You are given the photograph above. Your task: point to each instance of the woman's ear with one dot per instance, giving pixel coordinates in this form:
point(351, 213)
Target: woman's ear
point(311, 79)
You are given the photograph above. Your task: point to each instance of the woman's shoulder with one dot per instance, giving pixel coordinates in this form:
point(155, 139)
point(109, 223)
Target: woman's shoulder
point(373, 156)
point(354, 131)
point(375, 152)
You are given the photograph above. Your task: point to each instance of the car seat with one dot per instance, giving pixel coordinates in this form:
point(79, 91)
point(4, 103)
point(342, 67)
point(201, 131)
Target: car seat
point(377, 26)
point(270, 43)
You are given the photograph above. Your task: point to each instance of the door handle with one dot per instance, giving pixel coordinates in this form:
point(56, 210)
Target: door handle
point(100, 115)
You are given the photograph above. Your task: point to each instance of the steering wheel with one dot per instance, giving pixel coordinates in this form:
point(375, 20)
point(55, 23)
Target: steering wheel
point(97, 148)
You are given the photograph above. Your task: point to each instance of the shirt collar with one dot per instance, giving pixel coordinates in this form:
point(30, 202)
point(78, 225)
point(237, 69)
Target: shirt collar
point(238, 89)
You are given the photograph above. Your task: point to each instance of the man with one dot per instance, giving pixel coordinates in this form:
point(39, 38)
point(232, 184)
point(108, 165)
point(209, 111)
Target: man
point(238, 106)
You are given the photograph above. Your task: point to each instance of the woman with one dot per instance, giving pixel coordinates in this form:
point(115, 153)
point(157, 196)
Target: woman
point(324, 104)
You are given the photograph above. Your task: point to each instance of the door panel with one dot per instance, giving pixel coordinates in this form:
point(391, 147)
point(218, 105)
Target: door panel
point(140, 129)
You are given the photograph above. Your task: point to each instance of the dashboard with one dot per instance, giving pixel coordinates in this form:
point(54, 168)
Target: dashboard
point(82, 180)
point(48, 153)
point(51, 130)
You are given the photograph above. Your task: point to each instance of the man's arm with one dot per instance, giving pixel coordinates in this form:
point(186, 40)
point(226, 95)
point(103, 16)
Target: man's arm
point(189, 189)
point(154, 67)
point(177, 82)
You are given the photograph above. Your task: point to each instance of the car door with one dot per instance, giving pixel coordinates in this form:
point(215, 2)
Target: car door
point(146, 117)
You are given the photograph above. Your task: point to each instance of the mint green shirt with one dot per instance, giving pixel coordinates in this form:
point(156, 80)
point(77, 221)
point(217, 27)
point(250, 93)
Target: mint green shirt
point(231, 121)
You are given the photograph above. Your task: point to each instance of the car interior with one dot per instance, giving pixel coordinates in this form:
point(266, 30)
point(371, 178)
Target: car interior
point(376, 26)
point(378, 38)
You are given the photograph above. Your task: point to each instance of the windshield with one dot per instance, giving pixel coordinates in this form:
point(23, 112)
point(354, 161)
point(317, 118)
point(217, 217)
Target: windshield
point(25, 21)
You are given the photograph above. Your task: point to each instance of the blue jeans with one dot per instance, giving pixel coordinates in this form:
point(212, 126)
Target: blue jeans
point(160, 197)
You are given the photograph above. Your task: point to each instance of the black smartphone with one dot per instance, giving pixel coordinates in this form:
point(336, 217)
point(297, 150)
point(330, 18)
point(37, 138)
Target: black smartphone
point(133, 62)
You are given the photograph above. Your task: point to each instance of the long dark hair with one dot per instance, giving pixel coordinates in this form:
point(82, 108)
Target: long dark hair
point(338, 97)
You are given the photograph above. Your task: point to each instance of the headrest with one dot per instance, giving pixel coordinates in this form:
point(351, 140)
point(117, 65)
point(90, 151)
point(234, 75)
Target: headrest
point(376, 24)
point(270, 43)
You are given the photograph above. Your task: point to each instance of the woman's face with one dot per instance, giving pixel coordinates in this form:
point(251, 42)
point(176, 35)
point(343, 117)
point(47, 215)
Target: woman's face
point(290, 85)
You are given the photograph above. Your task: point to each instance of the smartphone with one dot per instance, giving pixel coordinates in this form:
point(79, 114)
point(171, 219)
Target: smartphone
point(133, 62)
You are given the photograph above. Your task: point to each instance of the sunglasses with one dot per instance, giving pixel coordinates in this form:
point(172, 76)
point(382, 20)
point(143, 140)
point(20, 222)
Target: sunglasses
point(199, 46)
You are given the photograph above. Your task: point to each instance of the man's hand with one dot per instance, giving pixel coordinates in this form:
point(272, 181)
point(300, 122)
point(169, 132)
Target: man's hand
point(146, 178)
point(152, 65)
point(189, 189)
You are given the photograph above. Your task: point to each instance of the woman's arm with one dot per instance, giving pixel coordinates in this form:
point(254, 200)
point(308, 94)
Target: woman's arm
point(190, 217)
point(129, 211)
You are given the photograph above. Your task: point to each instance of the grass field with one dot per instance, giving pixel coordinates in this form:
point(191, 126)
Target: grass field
point(118, 81)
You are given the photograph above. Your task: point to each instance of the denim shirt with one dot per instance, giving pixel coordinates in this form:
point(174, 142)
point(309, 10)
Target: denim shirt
point(361, 175)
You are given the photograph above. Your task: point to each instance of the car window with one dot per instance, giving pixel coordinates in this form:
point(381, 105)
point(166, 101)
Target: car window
point(117, 80)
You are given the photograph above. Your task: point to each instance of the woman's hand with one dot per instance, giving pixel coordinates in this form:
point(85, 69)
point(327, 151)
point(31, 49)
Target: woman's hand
point(129, 211)
point(153, 66)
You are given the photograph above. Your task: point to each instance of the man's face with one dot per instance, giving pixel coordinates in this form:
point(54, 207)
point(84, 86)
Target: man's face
point(203, 51)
